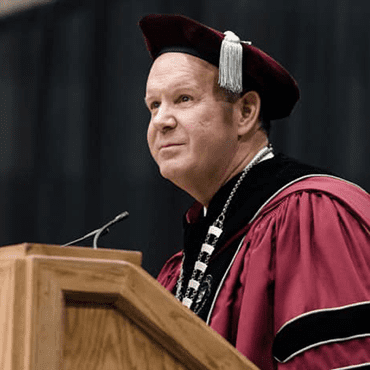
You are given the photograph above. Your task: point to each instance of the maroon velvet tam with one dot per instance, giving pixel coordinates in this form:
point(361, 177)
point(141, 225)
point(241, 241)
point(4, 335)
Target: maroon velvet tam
point(176, 33)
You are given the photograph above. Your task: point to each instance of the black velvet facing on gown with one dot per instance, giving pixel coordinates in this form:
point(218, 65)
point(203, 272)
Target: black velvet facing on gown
point(263, 180)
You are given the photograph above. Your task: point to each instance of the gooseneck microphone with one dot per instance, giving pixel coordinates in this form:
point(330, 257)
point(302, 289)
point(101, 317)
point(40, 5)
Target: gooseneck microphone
point(99, 232)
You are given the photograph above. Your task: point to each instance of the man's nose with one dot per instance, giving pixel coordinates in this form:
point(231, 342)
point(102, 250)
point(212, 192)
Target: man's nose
point(164, 118)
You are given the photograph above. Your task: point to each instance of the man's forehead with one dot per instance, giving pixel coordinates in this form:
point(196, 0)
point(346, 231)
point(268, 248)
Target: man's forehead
point(181, 70)
point(185, 62)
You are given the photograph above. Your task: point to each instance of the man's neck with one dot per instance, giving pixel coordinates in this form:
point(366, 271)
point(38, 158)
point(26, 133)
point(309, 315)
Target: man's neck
point(268, 156)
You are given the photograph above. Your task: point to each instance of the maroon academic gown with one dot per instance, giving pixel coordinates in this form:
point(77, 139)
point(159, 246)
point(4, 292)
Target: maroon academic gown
point(297, 294)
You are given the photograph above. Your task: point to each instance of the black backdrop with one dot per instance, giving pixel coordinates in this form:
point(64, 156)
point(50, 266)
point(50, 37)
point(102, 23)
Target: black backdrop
point(73, 148)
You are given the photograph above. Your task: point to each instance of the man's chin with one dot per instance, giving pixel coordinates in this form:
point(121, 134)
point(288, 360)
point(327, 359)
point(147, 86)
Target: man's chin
point(174, 172)
point(170, 173)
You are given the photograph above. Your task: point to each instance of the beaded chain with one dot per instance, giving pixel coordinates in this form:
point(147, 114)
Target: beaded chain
point(214, 232)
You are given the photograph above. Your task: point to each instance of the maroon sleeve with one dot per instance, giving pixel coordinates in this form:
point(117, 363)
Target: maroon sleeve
point(298, 293)
point(322, 284)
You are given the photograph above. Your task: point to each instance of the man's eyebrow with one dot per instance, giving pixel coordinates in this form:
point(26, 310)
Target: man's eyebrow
point(186, 85)
point(183, 84)
point(178, 86)
point(149, 96)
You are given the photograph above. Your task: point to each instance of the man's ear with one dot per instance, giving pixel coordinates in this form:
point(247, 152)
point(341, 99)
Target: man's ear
point(249, 112)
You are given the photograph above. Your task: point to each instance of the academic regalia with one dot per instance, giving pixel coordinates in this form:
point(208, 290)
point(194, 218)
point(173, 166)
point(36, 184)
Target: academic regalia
point(289, 282)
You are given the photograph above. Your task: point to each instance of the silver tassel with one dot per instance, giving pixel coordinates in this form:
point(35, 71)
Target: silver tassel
point(231, 63)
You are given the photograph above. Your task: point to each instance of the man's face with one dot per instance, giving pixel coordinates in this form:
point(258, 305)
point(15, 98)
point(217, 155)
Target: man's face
point(192, 134)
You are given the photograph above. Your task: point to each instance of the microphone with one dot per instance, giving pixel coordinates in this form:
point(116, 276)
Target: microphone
point(99, 232)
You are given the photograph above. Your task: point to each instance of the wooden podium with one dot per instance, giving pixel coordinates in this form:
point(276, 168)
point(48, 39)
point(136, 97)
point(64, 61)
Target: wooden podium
point(95, 309)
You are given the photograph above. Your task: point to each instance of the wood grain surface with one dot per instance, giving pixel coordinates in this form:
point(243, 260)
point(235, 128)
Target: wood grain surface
point(135, 295)
point(100, 338)
point(91, 310)
point(29, 249)
point(6, 312)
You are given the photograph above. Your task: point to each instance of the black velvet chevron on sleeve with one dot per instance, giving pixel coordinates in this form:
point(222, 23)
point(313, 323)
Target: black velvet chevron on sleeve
point(322, 327)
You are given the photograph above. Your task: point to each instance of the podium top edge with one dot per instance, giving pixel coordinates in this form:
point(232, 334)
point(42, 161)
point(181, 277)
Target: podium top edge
point(29, 249)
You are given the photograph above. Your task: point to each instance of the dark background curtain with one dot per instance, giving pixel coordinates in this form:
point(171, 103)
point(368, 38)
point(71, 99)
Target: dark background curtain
point(73, 150)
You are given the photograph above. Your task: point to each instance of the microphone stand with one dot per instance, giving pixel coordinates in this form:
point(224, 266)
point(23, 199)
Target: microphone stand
point(99, 232)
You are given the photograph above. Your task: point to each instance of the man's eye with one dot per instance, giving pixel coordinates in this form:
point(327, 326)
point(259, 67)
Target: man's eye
point(184, 98)
point(154, 105)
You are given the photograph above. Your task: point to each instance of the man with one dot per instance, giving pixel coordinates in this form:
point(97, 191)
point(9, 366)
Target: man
point(276, 254)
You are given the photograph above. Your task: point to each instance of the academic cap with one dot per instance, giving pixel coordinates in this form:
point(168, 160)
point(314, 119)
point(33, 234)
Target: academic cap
point(242, 66)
